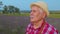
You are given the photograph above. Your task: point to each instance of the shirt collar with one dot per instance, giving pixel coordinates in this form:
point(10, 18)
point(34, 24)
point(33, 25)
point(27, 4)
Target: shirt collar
point(39, 26)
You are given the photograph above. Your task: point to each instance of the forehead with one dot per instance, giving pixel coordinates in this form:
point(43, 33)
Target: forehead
point(35, 7)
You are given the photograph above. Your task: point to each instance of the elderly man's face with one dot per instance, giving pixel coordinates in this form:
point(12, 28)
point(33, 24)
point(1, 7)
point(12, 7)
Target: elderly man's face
point(36, 14)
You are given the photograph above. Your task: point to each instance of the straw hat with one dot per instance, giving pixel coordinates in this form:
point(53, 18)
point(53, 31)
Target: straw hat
point(42, 5)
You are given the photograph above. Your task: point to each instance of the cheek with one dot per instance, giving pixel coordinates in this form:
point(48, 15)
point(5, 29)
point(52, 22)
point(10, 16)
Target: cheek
point(39, 16)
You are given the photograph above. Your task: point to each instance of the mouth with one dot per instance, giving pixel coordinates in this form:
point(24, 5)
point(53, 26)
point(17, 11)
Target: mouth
point(31, 17)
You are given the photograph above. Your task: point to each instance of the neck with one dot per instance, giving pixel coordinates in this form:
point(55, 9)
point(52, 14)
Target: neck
point(37, 24)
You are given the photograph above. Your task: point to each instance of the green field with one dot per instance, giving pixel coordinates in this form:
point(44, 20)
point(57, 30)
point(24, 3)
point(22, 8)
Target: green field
point(50, 16)
point(27, 14)
point(53, 15)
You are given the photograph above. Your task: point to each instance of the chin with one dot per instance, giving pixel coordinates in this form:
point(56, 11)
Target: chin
point(32, 21)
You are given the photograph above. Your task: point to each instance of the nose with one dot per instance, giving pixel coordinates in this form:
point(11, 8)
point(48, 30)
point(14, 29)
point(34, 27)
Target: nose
point(31, 13)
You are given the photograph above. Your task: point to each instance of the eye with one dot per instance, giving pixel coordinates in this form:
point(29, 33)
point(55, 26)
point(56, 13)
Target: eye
point(34, 11)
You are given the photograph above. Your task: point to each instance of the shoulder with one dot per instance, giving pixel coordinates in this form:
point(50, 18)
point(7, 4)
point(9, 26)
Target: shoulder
point(50, 29)
point(28, 26)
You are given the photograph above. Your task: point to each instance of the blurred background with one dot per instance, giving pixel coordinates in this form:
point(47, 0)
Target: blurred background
point(14, 15)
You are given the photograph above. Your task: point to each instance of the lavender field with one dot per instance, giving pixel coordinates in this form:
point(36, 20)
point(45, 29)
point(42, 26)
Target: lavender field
point(18, 24)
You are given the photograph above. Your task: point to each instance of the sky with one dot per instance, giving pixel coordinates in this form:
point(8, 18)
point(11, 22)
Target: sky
point(25, 4)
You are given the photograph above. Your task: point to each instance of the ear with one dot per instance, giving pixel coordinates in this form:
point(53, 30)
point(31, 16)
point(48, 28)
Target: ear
point(44, 14)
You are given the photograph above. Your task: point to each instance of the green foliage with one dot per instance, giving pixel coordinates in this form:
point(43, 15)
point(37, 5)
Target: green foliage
point(0, 2)
point(10, 9)
point(5, 9)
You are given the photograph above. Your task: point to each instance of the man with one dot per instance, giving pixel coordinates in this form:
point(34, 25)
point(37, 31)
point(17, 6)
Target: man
point(38, 25)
